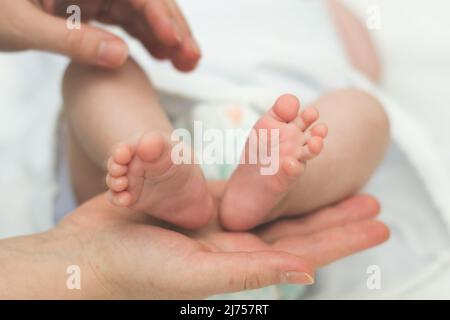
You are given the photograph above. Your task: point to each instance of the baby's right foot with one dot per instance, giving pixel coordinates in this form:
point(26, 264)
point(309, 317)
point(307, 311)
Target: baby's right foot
point(144, 178)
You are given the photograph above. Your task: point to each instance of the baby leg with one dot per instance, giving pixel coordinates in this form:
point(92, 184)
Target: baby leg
point(357, 141)
point(118, 127)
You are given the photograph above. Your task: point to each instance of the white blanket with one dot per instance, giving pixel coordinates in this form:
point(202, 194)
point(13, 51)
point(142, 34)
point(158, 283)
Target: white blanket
point(29, 101)
point(414, 45)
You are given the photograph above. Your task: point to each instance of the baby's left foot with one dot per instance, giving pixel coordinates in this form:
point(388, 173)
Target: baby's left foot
point(252, 198)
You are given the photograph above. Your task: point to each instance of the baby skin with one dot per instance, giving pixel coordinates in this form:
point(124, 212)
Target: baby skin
point(117, 128)
point(143, 176)
point(261, 196)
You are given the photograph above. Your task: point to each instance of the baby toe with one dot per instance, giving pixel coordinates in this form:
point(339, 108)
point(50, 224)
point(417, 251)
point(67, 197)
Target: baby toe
point(319, 130)
point(122, 154)
point(312, 149)
point(115, 169)
point(151, 147)
point(120, 199)
point(118, 184)
point(307, 117)
point(292, 167)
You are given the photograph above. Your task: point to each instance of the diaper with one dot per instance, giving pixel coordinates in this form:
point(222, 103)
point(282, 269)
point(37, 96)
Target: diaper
point(231, 122)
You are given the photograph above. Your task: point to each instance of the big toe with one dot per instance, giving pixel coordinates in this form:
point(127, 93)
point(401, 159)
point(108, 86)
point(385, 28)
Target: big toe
point(287, 107)
point(150, 147)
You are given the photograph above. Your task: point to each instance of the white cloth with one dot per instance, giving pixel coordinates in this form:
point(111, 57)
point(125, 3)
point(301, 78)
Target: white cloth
point(254, 44)
point(29, 102)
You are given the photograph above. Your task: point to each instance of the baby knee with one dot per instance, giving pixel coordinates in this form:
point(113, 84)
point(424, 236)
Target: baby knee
point(371, 113)
point(378, 119)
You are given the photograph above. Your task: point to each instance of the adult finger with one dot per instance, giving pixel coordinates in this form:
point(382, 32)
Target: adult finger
point(179, 18)
point(160, 20)
point(233, 272)
point(185, 59)
point(170, 28)
point(187, 56)
point(356, 208)
point(328, 246)
point(140, 31)
point(88, 44)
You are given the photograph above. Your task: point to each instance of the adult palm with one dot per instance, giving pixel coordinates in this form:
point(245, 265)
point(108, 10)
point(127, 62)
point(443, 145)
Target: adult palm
point(128, 255)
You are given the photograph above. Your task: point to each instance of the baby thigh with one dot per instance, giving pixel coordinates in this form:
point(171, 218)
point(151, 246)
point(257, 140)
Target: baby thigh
point(356, 144)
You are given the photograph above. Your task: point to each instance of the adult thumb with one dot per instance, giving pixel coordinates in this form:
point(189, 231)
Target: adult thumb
point(233, 272)
point(86, 44)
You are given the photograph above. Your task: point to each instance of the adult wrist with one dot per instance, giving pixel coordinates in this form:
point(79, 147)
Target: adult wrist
point(49, 265)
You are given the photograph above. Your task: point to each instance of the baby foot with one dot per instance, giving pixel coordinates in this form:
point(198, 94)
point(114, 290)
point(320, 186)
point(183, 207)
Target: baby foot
point(143, 177)
point(252, 198)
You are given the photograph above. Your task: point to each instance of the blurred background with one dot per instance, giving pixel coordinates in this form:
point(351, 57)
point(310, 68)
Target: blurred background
point(413, 38)
point(414, 45)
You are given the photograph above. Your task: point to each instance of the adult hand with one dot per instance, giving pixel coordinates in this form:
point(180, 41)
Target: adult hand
point(158, 24)
point(121, 255)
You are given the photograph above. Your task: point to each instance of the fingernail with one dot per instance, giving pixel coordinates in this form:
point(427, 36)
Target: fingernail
point(294, 277)
point(112, 53)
